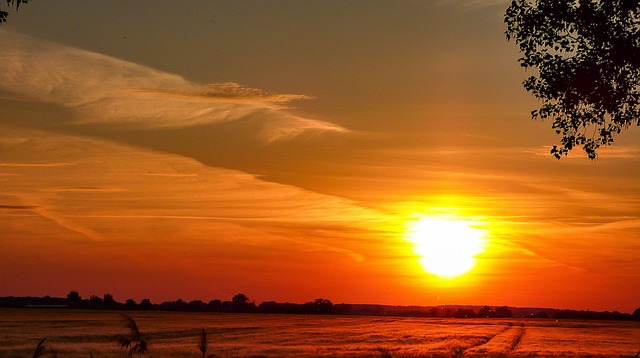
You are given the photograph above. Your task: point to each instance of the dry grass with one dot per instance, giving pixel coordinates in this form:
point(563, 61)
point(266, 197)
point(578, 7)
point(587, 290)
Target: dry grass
point(177, 334)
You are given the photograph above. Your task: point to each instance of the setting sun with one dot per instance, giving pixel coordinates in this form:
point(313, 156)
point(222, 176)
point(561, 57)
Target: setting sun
point(447, 248)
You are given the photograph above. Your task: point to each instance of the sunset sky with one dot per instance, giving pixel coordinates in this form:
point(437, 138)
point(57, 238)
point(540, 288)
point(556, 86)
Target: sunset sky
point(285, 150)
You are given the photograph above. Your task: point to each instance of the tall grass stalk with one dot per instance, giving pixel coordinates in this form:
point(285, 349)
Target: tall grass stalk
point(203, 342)
point(41, 350)
point(133, 339)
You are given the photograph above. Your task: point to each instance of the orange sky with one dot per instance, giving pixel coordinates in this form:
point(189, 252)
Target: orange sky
point(281, 149)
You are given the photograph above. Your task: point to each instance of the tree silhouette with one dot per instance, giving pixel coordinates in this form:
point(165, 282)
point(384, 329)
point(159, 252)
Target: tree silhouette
point(130, 304)
point(145, 304)
point(322, 306)
point(586, 54)
point(73, 299)
point(108, 302)
point(95, 302)
point(5, 14)
point(240, 303)
point(486, 311)
point(503, 312)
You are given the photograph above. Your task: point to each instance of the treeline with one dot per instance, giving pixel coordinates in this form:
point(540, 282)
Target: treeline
point(240, 303)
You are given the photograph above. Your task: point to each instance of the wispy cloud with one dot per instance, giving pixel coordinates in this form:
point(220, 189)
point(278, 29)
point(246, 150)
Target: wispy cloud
point(103, 89)
point(114, 192)
point(35, 164)
point(17, 207)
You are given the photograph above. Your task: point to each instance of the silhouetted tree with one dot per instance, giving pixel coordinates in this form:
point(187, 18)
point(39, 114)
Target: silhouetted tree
point(95, 302)
point(503, 312)
point(214, 305)
point(5, 14)
point(486, 311)
point(73, 299)
point(269, 307)
point(178, 305)
point(240, 303)
point(197, 305)
point(130, 304)
point(108, 302)
point(540, 314)
point(227, 306)
point(145, 304)
point(321, 306)
point(587, 57)
point(464, 313)
point(636, 315)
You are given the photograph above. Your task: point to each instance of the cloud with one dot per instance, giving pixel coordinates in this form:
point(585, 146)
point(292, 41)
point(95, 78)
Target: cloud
point(35, 164)
point(103, 89)
point(17, 207)
point(114, 192)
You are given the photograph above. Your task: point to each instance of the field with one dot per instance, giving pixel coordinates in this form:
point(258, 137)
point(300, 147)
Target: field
point(81, 333)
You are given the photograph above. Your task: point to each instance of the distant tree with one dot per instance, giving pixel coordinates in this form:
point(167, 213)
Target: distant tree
point(197, 305)
point(95, 302)
point(5, 14)
point(240, 303)
point(587, 60)
point(73, 299)
point(145, 304)
point(503, 312)
point(464, 313)
point(227, 306)
point(636, 315)
point(130, 304)
point(486, 311)
point(178, 305)
point(240, 299)
point(108, 302)
point(432, 312)
point(322, 306)
point(540, 314)
point(269, 307)
point(214, 305)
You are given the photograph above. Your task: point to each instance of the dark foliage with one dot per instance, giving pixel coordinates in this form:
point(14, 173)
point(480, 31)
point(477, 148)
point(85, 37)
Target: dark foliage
point(5, 14)
point(74, 300)
point(242, 304)
point(586, 58)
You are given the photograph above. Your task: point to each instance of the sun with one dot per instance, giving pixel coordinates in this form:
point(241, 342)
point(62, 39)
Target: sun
point(447, 247)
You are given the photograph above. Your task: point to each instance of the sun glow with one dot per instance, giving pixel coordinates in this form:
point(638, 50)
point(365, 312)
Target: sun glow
point(447, 247)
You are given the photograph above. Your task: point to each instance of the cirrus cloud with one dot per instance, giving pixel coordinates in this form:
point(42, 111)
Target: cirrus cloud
point(103, 89)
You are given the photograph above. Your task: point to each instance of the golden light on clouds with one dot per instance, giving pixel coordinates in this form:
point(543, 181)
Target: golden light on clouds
point(446, 247)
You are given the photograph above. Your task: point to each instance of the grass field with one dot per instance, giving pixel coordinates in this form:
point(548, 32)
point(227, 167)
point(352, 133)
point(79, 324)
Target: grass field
point(81, 333)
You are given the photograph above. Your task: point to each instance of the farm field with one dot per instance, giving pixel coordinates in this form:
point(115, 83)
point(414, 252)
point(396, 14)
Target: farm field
point(81, 333)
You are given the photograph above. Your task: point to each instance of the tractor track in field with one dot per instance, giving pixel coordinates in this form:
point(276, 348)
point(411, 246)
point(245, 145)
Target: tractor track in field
point(503, 342)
